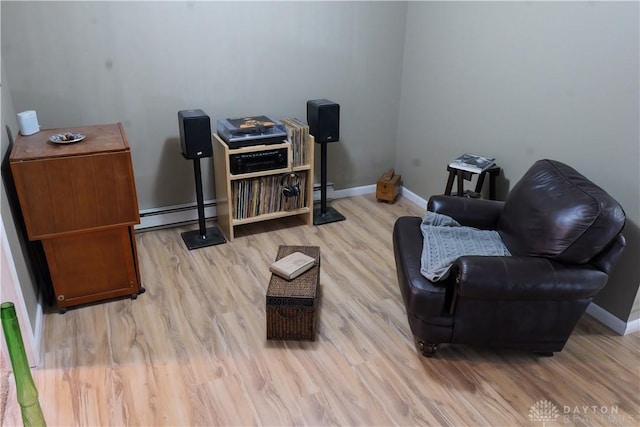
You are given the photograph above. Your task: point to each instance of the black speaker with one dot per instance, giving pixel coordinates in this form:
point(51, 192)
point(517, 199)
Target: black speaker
point(290, 183)
point(195, 134)
point(323, 117)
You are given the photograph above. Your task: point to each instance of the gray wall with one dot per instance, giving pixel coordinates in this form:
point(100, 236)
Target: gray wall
point(16, 240)
point(80, 63)
point(524, 81)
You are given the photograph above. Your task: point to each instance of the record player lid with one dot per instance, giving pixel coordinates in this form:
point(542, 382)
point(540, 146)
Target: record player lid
point(252, 124)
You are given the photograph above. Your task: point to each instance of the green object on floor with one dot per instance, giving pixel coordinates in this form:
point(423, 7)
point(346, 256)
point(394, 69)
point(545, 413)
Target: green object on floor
point(25, 387)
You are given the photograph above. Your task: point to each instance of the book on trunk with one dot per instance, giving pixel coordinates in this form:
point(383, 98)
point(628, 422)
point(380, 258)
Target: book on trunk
point(292, 265)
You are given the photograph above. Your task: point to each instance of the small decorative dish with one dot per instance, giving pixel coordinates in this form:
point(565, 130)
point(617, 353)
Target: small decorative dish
point(67, 137)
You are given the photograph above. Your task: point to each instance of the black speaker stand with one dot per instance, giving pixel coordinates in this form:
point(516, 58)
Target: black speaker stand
point(204, 236)
point(324, 214)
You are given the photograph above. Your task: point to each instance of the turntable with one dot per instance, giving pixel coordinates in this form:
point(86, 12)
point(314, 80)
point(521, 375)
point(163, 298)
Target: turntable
point(247, 131)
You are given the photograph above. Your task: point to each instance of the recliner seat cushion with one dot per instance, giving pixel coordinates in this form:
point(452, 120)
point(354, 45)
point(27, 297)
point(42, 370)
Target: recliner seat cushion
point(555, 212)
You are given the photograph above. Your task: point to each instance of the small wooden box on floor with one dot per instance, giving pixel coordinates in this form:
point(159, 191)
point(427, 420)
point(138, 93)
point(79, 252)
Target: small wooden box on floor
point(388, 187)
point(292, 306)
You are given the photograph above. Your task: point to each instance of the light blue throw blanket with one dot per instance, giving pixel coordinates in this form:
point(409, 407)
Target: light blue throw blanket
point(445, 240)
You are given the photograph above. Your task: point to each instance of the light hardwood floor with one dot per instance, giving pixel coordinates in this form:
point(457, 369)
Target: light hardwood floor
point(192, 349)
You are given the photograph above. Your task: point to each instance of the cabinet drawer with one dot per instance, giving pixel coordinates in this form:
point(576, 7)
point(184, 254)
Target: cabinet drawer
point(92, 266)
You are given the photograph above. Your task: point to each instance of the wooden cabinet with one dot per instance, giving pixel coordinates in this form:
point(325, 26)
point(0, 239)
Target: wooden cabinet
point(80, 200)
point(258, 196)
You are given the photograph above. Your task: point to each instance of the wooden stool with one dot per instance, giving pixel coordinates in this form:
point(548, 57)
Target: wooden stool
point(493, 172)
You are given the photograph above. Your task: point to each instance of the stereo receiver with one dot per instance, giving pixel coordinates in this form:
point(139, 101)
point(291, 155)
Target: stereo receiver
point(258, 161)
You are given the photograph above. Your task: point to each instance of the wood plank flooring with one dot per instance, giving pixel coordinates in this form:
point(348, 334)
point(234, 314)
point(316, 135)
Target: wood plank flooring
point(192, 349)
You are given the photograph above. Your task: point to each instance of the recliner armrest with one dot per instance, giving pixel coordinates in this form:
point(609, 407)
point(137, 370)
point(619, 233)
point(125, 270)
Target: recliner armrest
point(478, 213)
point(525, 278)
point(423, 299)
point(606, 259)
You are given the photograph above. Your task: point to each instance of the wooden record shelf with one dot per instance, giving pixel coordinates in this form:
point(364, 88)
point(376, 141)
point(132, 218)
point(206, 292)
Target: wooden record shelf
point(235, 208)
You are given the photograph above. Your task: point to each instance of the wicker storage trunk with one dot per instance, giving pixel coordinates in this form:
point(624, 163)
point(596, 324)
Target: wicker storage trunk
point(292, 305)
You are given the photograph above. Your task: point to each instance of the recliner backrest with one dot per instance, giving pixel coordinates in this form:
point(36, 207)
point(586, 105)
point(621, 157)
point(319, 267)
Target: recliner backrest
point(555, 212)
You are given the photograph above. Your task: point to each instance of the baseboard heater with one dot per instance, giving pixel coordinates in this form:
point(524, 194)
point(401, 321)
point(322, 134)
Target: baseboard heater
point(171, 216)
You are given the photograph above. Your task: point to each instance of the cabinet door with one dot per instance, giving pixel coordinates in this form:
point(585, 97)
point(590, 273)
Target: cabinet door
point(80, 193)
point(92, 266)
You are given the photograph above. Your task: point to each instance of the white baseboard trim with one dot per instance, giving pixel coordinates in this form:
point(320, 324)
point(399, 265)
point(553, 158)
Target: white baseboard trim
point(617, 325)
point(632, 327)
point(354, 191)
point(317, 193)
point(38, 329)
point(410, 195)
point(12, 292)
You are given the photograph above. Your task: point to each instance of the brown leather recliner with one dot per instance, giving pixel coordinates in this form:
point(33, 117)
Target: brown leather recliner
point(564, 236)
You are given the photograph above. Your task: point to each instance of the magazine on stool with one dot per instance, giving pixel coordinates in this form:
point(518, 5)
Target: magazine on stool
point(473, 163)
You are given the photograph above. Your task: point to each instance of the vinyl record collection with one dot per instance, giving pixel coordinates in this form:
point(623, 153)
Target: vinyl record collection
point(263, 195)
point(297, 133)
